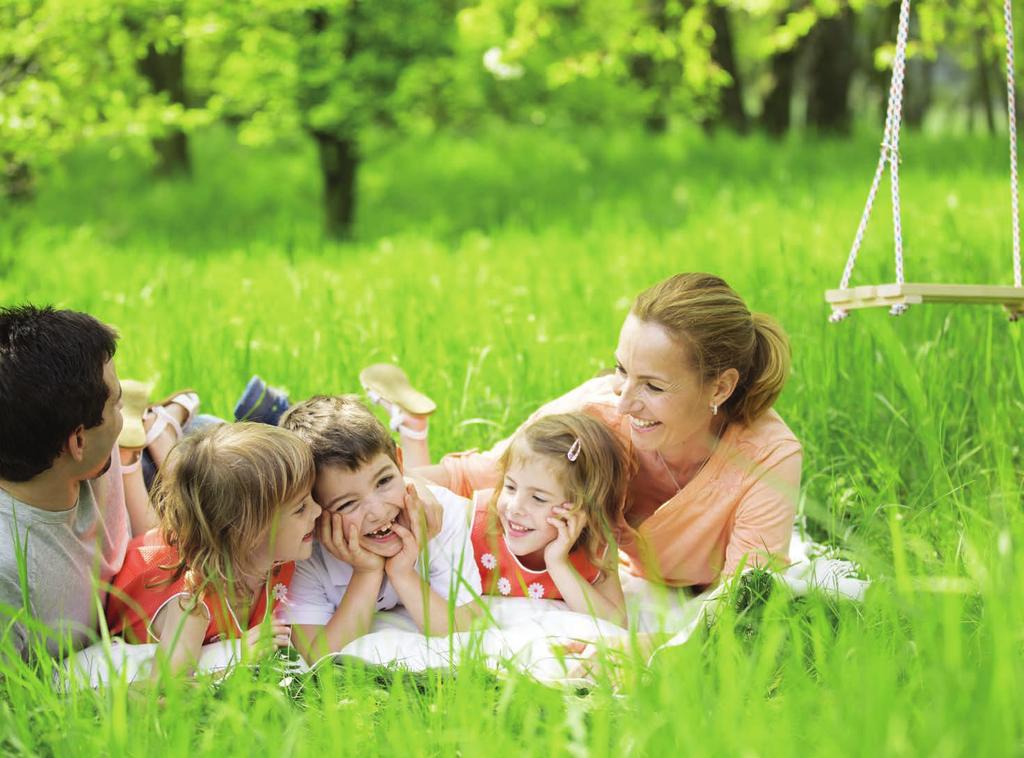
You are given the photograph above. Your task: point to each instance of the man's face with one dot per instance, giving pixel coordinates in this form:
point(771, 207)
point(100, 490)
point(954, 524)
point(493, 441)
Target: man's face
point(100, 439)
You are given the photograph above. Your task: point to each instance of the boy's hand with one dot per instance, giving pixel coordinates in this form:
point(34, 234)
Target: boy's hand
point(332, 537)
point(431, 506)
point(569, 523)
point(410, 527)
point(420, 516)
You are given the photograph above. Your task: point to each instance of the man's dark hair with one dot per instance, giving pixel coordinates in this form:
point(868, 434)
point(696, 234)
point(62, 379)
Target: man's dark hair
point(51, 382)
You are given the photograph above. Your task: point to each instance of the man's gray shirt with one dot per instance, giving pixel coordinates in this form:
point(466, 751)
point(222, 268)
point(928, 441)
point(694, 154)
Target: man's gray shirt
point(68, 554)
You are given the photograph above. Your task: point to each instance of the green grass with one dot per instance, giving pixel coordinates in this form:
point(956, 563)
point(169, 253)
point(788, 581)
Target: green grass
point(497, 268)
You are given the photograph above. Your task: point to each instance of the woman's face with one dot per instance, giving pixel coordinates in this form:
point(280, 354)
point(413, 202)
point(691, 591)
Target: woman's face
point(668, 406)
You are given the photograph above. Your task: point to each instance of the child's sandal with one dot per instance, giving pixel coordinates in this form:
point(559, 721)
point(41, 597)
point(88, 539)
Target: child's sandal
point(135, 402)
point(388, 386)
point(187, 399)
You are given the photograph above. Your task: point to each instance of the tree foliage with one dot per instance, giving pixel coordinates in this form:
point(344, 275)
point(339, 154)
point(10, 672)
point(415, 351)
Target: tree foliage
point(352, 75)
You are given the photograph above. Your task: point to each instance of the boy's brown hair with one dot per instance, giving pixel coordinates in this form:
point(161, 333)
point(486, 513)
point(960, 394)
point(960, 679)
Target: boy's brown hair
point(340, 430)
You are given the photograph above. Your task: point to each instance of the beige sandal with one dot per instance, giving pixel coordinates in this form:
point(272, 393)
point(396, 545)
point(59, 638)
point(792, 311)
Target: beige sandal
point(388, 386)
point(135, 401)
point(187, 399)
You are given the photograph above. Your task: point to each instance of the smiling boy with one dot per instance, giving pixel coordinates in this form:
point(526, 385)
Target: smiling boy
point(371, 536)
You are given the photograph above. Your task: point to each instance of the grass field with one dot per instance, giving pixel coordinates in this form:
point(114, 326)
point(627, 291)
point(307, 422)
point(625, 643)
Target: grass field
point(497, 268)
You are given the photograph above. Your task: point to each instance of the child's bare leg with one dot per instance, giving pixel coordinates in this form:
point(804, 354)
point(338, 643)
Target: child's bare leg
point(136, 499)
point(388, 386)
point(414, 440)
point(161, 446)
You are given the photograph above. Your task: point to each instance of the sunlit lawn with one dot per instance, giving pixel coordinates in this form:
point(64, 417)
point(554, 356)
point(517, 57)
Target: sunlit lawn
point(497, 268)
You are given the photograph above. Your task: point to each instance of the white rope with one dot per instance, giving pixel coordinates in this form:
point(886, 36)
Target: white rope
point(1011, 110)
point(896, 97)
point(889, 154)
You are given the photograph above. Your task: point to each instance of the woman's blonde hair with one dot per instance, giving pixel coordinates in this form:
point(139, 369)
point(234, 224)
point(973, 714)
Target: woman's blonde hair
point(705, 315)
point(218, 493)
point(594, 481)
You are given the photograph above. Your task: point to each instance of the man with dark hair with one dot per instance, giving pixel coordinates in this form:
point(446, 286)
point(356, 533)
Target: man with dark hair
point(64, 522)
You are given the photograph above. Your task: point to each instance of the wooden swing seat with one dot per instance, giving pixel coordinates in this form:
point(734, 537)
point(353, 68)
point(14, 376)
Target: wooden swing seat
point(887, 295)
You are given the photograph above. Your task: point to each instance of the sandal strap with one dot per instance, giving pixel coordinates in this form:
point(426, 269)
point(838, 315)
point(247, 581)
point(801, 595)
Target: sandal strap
point(164, 419)
point(413, 434)
point(188, 400)
point(397, 417)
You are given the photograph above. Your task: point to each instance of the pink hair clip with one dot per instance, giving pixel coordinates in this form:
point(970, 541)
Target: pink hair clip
point(574, 450)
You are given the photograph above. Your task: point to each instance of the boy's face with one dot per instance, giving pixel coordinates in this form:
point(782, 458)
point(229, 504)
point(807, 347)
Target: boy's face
point(371, 497)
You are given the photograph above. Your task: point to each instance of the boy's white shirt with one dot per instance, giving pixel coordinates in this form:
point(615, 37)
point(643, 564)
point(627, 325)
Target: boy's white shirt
point(320, 581)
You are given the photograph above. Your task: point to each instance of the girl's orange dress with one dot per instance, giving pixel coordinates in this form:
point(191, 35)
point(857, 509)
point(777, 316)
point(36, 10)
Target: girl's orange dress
point(501, 573)
point(140, 590)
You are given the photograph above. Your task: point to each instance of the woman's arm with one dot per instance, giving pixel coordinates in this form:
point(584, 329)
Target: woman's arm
point(765, 516)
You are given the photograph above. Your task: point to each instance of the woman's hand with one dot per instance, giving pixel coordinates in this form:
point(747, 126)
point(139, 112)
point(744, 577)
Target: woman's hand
point(332, 537)
point(569, 523)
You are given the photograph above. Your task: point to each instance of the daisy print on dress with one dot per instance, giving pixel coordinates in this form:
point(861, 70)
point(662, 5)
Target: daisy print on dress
point(280, 592)
point(546, 531)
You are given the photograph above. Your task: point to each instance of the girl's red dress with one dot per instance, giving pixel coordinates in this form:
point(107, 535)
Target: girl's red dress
point(501, 573)
point(140, 591)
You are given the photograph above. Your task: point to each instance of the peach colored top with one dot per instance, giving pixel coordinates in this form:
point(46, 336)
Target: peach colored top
point(739, 508)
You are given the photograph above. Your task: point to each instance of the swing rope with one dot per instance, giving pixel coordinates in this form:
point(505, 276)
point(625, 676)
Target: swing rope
point(1011, 109)
point(890, 155)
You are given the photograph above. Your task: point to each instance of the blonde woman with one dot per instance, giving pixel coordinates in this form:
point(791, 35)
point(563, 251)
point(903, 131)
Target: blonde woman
point(718, 471)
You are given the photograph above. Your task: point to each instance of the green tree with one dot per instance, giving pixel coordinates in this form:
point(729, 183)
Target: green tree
point(345, 74)
point(69, 74)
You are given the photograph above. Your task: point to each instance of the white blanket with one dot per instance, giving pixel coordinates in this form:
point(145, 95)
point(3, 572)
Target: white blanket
point(526, 635)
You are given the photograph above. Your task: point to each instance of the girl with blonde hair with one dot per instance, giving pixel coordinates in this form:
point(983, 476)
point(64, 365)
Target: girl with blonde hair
point(547, 529)
point(236, 510)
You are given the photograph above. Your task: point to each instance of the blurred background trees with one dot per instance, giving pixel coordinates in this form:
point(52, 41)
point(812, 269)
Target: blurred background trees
point(354, 76)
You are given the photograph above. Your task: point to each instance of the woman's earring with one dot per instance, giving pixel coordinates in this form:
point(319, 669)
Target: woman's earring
point(714, 409)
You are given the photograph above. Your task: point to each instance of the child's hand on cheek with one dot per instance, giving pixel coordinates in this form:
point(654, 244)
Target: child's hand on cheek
point(410, 527)
point(405, 559)
point(569, 522)
point(347, 549)
point(419, 515)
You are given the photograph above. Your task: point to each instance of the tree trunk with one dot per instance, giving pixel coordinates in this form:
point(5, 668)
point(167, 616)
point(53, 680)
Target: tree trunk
point(339, 163)
point(984, 87)
point(17, 183)
point(644, 70)
point(919, 88)
point(165, 72)
point(832, 64)
point(776, 111)
point(723, 54)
